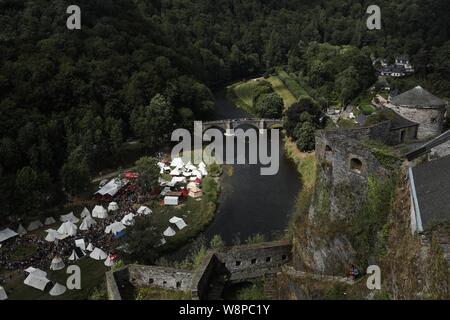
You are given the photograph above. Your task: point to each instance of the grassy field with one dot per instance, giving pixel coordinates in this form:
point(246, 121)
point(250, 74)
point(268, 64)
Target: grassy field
point(92, 274)
point(242, 94)
point(283, 91)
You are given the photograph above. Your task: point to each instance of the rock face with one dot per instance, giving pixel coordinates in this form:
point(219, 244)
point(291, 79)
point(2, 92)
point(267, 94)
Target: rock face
point(344, 167)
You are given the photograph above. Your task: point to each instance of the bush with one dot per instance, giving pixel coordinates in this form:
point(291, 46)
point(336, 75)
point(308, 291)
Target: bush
point(306, 137)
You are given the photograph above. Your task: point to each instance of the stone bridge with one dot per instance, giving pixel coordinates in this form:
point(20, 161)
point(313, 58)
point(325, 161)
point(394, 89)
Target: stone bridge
point(228, 125)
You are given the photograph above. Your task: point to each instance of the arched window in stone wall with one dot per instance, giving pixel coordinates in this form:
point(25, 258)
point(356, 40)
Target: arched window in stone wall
point(356, 165)
point(328, 148)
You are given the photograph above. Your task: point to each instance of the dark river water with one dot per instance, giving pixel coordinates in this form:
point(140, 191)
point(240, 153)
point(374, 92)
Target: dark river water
point(250, 203)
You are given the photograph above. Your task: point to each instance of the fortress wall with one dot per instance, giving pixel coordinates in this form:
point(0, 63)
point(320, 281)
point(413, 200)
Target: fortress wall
point(167, 278)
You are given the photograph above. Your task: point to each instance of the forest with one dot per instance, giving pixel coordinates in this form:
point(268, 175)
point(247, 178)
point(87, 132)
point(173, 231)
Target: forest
point(70, 100)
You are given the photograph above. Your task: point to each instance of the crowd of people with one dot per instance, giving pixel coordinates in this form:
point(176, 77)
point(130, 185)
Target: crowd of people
point(41, 252)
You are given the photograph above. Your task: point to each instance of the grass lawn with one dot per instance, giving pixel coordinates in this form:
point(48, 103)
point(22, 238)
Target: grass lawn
point(92, 274)
point(283, 91)
point(242, 94)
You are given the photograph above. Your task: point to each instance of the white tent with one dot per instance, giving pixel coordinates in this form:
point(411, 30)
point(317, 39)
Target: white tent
point(34, 225)
point(87, 223)
point(77, 254)
point(36, 271)
point(144, 210)
point(68, 228)
point(85, 213)
point(57, 263)
point(113, 206)
point(3, 295)
point(197, 174)
point(115, 227)
point(175, 172)
point(169, 232)
point(112, 187)
point(79, 243)
point(128, 220)
point(203, 171)
point(90, 247)
point(99, 212)
point(202, 165)
point(49, 220)
point(179, 222)
point(165, 190)
point(191, 185)
point(6, 234)
point(163, 241)
point(170, 201)
point(36, 281)
point(178, 179)
point(57, 290)
point(53, 235)
point(69, 217)
point(98, 254)
point(177, 162)
point(21, 230)
point(109, 262)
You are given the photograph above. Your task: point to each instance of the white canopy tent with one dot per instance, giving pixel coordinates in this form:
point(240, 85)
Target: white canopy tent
point(6, 234)
point(21, 230)
point(197, 174)
point(57, 290)
point(68, 228)
point(169, 232)
point(79, 243)
point(170, 201)
point(34, 225)
point(53, 235)
point(115, 227)
point(87, 223)
point(3, 295)
point(113, 206)
point(175, 172)
point(203, 171)
point(176, 180)
point(49, 220)
point(36, 281)
point(99, 212)
point(69, 217)
point(112, 187)
point(144, 210)
point(202, 165)
point(57, 263)
point(85, 213)
point(98, 254)
point(179, 222)
point(36, 271)
point(128, 220)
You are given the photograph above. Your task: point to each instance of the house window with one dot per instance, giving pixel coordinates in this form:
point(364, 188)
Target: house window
point(238, 263)
point(402, 136)
point(150, 281)
point(164, 283)
point(178, 284)
point(253, 261)
point(328, 148)
point(356, 165)
point(268, 259)
point(283, 257)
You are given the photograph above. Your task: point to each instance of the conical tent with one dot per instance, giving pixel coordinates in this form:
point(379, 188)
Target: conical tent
point(57, 264)
point(128, 219)
point(99, 212)
point(113, 206)
point(69, 217)
point(68, 228)
point(177, 162)
point(90, 247)
point(53, 235)
point(34, 225)
point(3, 295)
point(77, 254)
point(98, 254)
point(49, 220)
point(21, 230)
point(87, 223)
point(144, 210)
point(115, 227)
point(85, 213)
point(57, 290)
point(169, 232)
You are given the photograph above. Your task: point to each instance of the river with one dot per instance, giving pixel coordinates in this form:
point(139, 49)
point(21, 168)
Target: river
point(251, 203)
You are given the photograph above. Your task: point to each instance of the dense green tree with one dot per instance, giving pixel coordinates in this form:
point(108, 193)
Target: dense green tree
point(269, 105)
point(148, 174)
point(306, 138)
